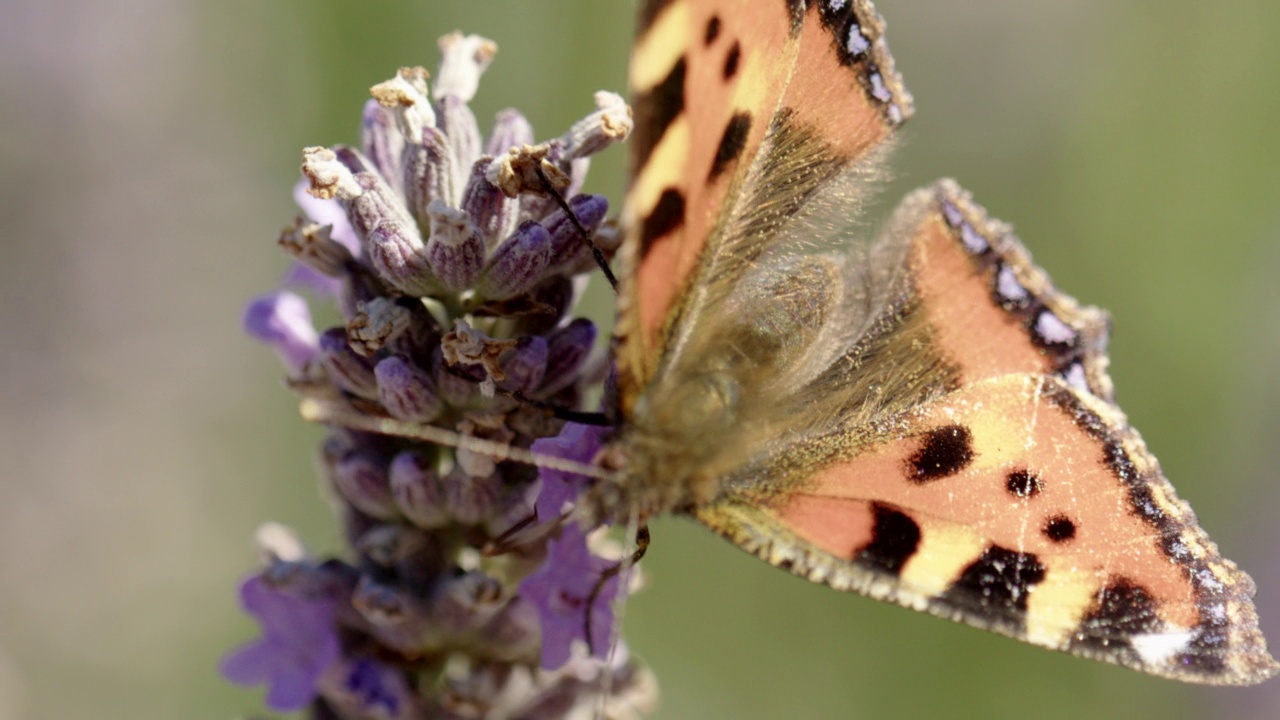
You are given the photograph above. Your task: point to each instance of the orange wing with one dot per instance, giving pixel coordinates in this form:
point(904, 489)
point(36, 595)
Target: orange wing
point(711, 82)
point(1017, 498)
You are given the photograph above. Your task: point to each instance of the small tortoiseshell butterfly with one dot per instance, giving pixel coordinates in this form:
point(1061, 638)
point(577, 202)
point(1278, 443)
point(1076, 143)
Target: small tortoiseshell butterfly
point(922, 417)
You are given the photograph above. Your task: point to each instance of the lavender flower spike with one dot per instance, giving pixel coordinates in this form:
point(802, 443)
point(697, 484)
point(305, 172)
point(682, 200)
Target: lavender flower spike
point(455, 275)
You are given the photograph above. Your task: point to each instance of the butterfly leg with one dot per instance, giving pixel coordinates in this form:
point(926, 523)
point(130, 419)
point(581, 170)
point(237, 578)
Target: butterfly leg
point(582, 232)
point(642, 545)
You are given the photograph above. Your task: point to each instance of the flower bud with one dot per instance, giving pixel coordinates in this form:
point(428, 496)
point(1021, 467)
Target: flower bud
point(382, 142)
point(463, 59)
point(510, 130)
point(493, 213)
point(526, 365)
point(518, 264)
point(361, 479)
point(348, 370)
point(406, 391)
point(455, 251)
point(463, 138)
point(405, 95)
point(312, 244)
point(471, 498)
point(398, 254)
point(567, 351)
point(467, 601)
point(417, 491)
point(568, 245)
point(398, 616)
point(429, 171)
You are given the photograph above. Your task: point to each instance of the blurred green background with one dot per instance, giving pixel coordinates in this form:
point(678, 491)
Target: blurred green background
point(146, 160)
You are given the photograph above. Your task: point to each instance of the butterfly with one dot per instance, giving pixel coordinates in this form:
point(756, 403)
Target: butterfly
point(920, 417)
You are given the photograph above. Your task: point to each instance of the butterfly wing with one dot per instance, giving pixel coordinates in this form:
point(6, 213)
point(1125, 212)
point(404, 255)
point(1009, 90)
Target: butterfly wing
point(712, 82)
point(1017, 498)
point(921, 418)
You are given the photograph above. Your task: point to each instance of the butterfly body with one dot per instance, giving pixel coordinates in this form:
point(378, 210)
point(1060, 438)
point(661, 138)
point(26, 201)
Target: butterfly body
point(917, 415)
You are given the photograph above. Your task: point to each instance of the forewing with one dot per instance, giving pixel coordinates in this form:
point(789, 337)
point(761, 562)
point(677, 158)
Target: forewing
point(713, 84)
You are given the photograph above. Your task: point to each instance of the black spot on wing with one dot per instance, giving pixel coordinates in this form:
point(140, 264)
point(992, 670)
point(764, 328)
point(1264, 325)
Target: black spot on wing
point(666, 216)
point(712, 30)
point(731, 61)
point(945, 452)
point(1208, 651)
point(995, 587)
point(657, 108)
point(894, 540)
point(1060, 529)
point(732, 142)
point(1022, 483)
point(1120, 610)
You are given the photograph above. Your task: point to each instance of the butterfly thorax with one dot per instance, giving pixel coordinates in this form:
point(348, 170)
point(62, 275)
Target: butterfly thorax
point(728, 395)
point(664, 459)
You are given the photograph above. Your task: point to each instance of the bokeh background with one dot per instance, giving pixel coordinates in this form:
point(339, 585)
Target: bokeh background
point(147, 152)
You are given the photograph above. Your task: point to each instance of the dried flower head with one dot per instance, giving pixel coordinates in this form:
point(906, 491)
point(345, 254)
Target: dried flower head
point(465, 591)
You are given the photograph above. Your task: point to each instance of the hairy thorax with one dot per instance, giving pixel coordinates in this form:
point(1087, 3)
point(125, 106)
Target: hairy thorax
point(669, 457)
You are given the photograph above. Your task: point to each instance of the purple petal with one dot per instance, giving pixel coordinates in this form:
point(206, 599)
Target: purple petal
point(560, 591)
point(291, 690)
point(249, 664)
point(558, 490)
point(326, 212)
point(576, 442)
point(298, 644)
point(304, 277)
point(282, 320)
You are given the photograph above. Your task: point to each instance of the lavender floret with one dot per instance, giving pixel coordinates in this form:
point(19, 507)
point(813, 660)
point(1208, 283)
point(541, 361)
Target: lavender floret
point(282, 320)
point(562, 590)
point(299, 643)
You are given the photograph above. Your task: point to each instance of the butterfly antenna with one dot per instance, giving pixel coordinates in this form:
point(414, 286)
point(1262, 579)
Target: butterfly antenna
point(329, 414)
point(596, 252)
point(637, 548)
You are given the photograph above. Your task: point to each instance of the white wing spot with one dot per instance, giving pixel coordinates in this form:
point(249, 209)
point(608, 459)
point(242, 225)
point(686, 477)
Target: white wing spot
point(1052, 329)
point(1008, 286)
point(1076, 377)
point(856, 43)
point(1156, 648)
